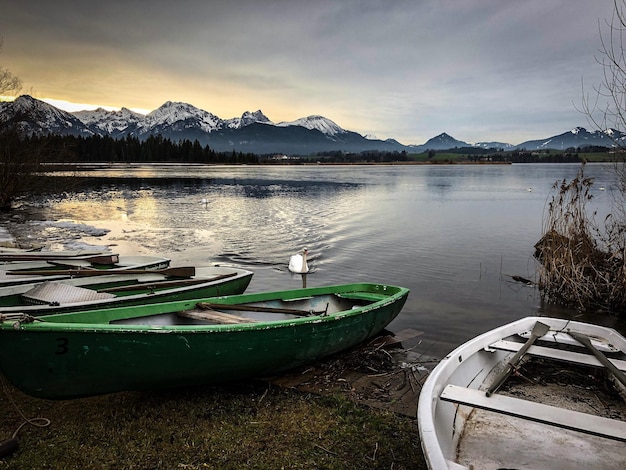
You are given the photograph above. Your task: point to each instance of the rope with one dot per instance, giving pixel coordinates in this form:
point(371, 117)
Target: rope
point(37, 422)
point(18, 318)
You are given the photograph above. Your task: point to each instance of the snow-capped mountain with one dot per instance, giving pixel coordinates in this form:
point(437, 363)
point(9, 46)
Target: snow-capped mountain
point(442, 142)
point(445, 141)
point(248, 118)
point(577, 137)
point(320, 123)
point(34, 117)
point(252, 132)
point(113, 123)
point(175, 116)
point(494, 145)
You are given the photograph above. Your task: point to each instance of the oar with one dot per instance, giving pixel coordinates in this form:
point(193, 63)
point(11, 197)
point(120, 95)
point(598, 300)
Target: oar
point(69, 263)
point(96, 259)
point(160, 284)
point(256, 308)
point(185, 271)
point(586, 342)
point(538, 330)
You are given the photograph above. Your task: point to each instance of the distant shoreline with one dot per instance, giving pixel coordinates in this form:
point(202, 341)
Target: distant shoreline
point(116, 165)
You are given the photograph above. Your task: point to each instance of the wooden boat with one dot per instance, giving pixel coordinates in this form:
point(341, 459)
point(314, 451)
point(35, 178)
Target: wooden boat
point(530, 394)
point(98, 289)
point(189, 343)
point(29, 271)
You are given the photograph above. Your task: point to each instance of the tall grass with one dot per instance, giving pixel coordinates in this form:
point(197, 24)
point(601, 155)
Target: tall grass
point(582, 263)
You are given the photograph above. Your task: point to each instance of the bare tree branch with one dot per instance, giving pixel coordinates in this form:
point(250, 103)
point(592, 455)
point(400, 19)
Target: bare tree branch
point(9, 83)
point(581, 262)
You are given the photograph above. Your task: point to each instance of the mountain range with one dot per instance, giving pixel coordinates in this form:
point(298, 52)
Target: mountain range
point(252, 132)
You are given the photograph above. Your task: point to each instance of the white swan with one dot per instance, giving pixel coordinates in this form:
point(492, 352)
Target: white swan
point(297, 262)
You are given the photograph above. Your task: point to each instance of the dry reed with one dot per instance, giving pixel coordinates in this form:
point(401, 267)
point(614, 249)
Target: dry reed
point(581, 264)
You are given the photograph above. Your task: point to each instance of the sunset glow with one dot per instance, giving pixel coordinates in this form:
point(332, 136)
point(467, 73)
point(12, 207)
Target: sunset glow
point(72, 107)
point(504, 71)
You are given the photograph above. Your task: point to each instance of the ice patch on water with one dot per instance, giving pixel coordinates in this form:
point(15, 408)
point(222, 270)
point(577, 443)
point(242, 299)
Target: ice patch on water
point(6, 239)
point(74, 228)
point(76, 246)
point(61, 235)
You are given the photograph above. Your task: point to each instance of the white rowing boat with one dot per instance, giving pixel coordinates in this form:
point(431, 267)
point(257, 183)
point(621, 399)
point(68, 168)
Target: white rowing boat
point(540, 393)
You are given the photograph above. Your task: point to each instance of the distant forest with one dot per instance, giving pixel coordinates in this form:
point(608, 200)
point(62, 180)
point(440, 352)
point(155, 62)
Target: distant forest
point(155, 149)
point(158, 149)
point(478, 154)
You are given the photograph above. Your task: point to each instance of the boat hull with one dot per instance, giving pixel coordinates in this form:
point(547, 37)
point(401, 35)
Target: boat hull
point(208, 282)
point(61, 360)
point(513, 437)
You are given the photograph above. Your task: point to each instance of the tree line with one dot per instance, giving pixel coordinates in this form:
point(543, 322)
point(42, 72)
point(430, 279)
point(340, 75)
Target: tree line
point(367, 156)
point(154, 149)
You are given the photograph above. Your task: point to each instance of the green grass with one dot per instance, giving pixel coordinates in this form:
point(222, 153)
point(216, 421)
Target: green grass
point(251, 425)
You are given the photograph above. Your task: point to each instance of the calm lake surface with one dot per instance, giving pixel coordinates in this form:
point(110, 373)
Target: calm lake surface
point(453, 234)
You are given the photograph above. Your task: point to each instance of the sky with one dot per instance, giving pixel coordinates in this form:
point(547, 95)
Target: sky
point(479, 70)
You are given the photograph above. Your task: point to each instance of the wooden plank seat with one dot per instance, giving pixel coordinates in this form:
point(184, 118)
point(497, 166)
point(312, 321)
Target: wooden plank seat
point(258, 308)
point(537, 412)
point(215, 317)
point(565, 338)
point(556, 354)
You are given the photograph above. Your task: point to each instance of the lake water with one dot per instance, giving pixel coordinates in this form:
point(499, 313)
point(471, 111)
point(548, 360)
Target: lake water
point(453, 234)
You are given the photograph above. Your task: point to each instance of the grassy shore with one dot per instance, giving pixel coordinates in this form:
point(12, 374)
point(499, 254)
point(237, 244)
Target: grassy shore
point(251, 425)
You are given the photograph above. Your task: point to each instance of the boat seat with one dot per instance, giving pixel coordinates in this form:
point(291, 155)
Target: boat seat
point(58, 293)
point(564, 338)
point(215, 317)
point(557, 354)
point(538, 412)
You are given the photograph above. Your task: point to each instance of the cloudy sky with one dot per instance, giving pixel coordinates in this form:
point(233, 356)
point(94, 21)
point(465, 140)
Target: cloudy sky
point(479, 70)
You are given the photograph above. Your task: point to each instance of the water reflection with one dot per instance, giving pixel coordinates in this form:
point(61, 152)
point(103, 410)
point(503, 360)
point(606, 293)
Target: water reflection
point(453, 234)
point(238, 219)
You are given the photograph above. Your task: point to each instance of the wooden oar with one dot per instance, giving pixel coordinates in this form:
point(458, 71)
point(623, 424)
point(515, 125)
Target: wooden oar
point(538, 330)
point(185, 271)
point(166, 283)
point(96, 259)
point(256, 308)
point(69, 263)
point(586, 342)
point(4, 251)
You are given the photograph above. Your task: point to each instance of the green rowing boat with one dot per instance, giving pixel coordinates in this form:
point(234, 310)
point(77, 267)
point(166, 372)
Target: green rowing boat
point(29, 271)
point(96, 289)
point(188, 343)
